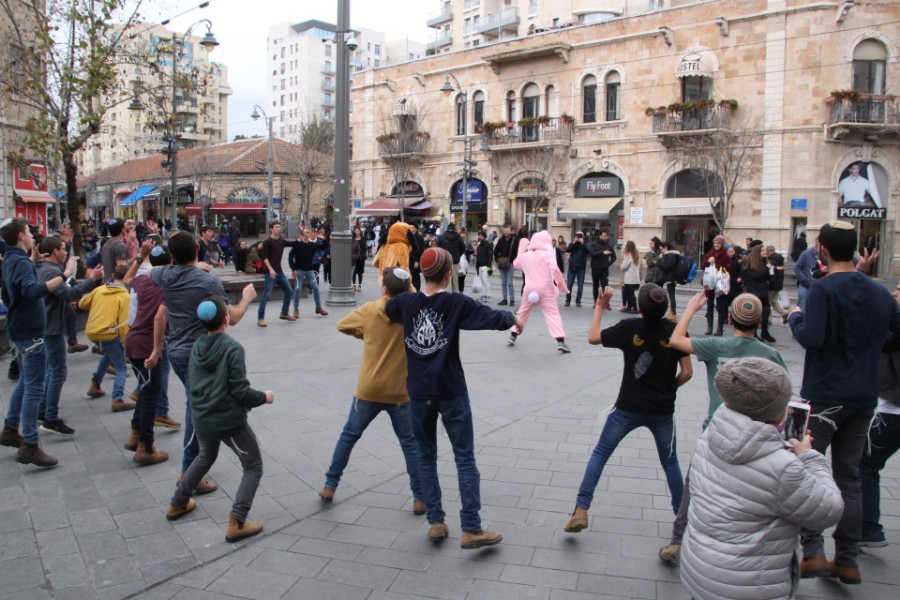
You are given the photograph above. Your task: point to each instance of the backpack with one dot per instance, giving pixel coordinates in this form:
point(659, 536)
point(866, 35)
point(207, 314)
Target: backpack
point(685, 271)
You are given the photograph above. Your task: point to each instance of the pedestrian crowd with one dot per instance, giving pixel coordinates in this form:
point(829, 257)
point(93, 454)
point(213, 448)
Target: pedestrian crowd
point(758, 493)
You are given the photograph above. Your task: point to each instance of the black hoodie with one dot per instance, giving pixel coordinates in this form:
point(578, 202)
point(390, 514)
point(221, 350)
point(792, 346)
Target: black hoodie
point(452, 243)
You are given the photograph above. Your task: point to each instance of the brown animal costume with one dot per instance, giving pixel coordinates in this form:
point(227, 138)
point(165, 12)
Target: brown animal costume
point(395, 253)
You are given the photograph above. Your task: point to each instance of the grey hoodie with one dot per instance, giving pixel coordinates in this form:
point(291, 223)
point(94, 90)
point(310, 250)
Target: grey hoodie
point(55, 302)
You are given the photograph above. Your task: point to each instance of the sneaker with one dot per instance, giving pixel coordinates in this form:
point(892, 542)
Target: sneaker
point(561, 346)
point(96, 349)
point(418, 507)
point(479, 539)
point(327, 494)
point(166, 422)
point(10, 437)
point(875, 539)
point(121, 405)
point(57, 427)
point(41, 418)
point(438, 532)
point(261, 323)
point(286, 317)
point(73, 348)
point(176, 512)
point(502, 302)
point(579, 520)
point(671, 554)
point(512, 340)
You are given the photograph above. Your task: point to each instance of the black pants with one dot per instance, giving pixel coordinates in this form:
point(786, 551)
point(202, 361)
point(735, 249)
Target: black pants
point(145, 414)
point(600, 278)
point(630, 291)
point(359, 267)
point(670, 288)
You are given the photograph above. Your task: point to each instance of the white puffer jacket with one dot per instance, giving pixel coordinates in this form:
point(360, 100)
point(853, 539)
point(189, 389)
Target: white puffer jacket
point(749, 499)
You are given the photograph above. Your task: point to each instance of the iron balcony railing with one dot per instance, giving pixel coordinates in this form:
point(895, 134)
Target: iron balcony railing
point(552, 130)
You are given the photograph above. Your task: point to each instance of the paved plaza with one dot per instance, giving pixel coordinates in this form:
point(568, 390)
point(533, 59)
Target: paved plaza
point(95, 527)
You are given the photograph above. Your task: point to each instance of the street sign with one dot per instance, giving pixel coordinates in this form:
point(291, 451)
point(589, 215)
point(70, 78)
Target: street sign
point(798, 204)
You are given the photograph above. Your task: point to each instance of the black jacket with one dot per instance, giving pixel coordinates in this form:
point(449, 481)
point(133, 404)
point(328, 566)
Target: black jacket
point(776, 283)
point(484, 254)
point(452, 243)
point(559, 260)
point(506, 246)
point(668, 266)
point(756, 282)
point(600, 262)
point(578, 254)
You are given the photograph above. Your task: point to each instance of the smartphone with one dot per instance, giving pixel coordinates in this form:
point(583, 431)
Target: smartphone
point(797, 420)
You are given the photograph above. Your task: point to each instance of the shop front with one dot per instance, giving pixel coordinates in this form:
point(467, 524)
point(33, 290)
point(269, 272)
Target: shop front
point(596, 207)
point(31, 195)
point(530, 204)
point(476, 206)
point(246, 205)
point(862, 200)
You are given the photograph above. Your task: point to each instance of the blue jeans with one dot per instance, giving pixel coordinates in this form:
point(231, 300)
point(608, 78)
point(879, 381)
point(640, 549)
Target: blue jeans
point(26, 396)
point(456, 414)
point(619, 424)
point(883, 442)
point(313, 280)
point(282, 282)
point(802, 292)
point(506, 284)
point(191, 446)
point(570, 281)
point(113, 353)
point(363, 412)
point(56, 376)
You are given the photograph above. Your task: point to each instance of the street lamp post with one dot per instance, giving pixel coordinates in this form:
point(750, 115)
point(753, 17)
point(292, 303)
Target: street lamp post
point(448, 88)
point(257, 112)
point(339, 292)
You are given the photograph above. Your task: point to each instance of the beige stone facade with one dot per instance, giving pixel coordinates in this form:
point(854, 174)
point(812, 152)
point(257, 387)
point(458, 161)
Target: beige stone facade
point(779, 60)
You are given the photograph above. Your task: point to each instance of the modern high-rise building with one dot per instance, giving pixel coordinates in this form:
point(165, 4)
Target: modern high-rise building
point(200, 107)
point(301, 69)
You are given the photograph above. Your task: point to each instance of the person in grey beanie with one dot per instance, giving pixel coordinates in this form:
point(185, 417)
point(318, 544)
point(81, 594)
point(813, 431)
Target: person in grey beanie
point(752, 491)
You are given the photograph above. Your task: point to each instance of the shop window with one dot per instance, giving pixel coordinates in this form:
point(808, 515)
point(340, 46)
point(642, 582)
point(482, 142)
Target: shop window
point(869, 63)
point(696, 88)
point(478, 108)
point(613, 98)
point(694, 183)
point(589, 99)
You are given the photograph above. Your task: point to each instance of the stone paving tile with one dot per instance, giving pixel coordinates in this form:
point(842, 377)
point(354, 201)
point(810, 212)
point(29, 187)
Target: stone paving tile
point(17, 544)
point(426, 585)
point(104, 545)
point(619, 586)
point(66, 571)
point(325, 590)
point(288, 563)
point(250, 583)
point(370, 536)
point(327, 548)
point(114, 571)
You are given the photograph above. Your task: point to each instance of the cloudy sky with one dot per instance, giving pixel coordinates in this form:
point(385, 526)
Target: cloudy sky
point(242, 27)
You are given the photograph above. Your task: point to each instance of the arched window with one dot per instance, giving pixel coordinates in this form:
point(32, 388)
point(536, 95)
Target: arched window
point(478, 108)
point(613, 99)
point(531, 101)
point(511, 107)
point(460, 115)
point(694, 183)
point(869, 62)
point(589, 99)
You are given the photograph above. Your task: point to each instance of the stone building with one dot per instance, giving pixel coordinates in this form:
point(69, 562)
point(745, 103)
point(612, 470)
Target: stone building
point(618, 125)
point(217, 183)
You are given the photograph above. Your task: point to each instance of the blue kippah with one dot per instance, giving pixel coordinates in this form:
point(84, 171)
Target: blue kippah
point(157, 251)
point(207, 310)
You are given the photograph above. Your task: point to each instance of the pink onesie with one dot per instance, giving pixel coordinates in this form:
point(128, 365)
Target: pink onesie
point(543, 282)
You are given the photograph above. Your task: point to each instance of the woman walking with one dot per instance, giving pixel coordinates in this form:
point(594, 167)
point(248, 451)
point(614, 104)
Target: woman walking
point(716, 257)
point(358, 253)
point(755, 276)
point(631, 276)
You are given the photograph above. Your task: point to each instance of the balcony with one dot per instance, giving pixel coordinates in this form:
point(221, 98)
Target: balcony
point(327, 85)
point(527, 132)
point(495, 24)
point(225, 89)
point(328, 101)
point(862, 115)
point(412, 145)
point(187, 108)
point(328, 69)
point(439, 41)
point(690, 120)
point(436, 20)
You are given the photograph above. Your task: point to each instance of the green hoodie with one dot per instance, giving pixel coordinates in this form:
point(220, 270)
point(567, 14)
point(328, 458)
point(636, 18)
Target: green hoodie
point(221, 396)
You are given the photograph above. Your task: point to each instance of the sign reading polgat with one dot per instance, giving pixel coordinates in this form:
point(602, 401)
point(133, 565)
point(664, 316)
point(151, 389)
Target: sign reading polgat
point(856, 212)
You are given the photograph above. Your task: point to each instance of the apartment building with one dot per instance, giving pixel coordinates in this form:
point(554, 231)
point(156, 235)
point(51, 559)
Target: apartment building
point(587, 126)
point(301, 71)
point(200, 108)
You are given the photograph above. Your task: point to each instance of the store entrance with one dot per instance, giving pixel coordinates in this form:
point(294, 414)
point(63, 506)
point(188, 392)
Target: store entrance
point(690, 236)
point(877, 235)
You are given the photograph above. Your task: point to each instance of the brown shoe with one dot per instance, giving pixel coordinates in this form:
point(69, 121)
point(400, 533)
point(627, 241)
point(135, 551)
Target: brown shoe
point(10, 437)
point(261, 323)
point(131, 444)
point(327, 494)
point(111, 370)
point(238, 530)
point(321, 311)
point(204, 487)
point(121, 405)
point(135, 395)
point(814, 566)
point(438, 532)
point(95, 391)
point(578, 521)
point(167, 422)
point(31, 454)
point(176, 512)
point(846, 574)
point(418, 507)
point(296, 313)
point(286, 317)
point(73, 348)
point(149, 456)
point(479, 539)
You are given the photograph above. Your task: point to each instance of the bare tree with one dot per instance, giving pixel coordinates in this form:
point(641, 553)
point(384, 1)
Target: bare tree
point(720, 158)
point(312, 158)
point(403, 142)
point(205, 168)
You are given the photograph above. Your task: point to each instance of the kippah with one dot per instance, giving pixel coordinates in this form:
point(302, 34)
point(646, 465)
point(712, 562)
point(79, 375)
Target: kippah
point(158, 251)
point(433, 261)
point(401, 274)
point(746, 309)
point(845, 225)
point(207, 310)
point(111, 222)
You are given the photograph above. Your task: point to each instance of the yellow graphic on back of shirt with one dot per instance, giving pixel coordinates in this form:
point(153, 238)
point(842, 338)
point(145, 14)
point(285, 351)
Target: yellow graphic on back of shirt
point(637, 341)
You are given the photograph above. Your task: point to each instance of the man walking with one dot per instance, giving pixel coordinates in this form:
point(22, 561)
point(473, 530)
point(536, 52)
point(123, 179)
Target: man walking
point(578, 254)
point(484, 259)
point(602, 256)
point(451, 241)
point(776, 282)
point(271, 254)
point(843, 326)
point(504, 254)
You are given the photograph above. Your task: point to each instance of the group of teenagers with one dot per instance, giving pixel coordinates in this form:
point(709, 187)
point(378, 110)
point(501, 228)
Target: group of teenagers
point(751, 510)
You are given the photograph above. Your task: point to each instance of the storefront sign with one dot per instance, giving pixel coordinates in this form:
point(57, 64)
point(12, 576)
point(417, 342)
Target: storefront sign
point(637, 215)
point(798, 204)
point(408, 188)
point(476, 191)
point(530, 186)
point(861, 212)
point(246, 195)
point(598, 187)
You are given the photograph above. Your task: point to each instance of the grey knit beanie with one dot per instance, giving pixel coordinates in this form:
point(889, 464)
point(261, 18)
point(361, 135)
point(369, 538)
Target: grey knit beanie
point(755, 387)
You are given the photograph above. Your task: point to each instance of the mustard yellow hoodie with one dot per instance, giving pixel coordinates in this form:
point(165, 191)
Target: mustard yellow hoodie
point(108, 317)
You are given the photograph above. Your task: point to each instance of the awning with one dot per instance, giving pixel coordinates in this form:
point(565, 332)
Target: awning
point(390, 205)
point(36, 197)
point(238, 207)
point(193, 209)
point(697, 64)
point(135, 196)
point(590, 208)
point(423, 205)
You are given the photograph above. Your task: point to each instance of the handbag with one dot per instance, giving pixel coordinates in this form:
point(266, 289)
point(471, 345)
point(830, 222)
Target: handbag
point(503, 262)
point(710, 275)
point(723, 283)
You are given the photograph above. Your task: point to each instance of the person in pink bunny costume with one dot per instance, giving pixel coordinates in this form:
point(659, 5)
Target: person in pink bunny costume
point(543, 283)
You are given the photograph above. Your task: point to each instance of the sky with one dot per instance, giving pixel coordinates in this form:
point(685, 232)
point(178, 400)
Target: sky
point(242, 28)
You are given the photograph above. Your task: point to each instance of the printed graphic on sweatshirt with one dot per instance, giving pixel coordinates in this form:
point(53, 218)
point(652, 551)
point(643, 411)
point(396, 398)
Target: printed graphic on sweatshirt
point(428, 333)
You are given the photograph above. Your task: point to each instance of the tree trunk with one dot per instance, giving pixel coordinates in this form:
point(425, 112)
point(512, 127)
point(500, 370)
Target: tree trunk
point(73, 206)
